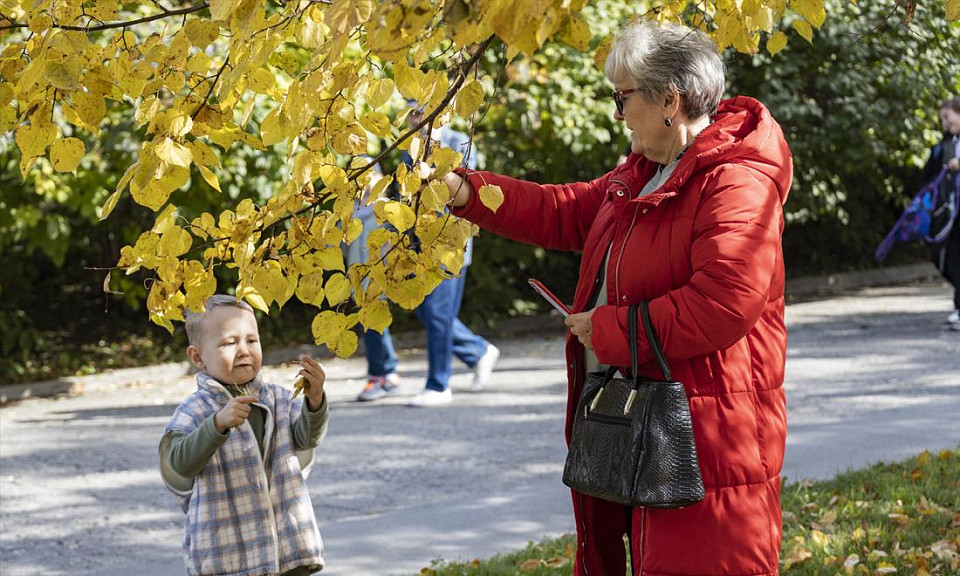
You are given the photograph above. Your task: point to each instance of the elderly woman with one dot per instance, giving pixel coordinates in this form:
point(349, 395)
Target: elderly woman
point(691, 222)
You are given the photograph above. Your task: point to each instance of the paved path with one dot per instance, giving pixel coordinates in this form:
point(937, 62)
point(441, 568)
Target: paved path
point(871, 375)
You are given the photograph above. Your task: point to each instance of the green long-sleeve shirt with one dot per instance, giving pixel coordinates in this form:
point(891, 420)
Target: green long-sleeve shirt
point(190, 452)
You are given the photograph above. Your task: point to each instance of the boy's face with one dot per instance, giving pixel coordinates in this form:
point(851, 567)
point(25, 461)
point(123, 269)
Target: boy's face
point(229, 350)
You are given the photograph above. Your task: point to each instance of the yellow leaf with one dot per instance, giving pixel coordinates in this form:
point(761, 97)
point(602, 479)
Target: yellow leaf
point(202, 154)
point(310, 288)
point(776, 42)
point(90, 107)
point(6, 93)
point(434, 196)
point(337, 289)
point(577, 32)
point(198, 283)
point(66, 153)
point(346, 344)
point(173, 153)
point(819, 538)
point(64, 74)
point(103, 10)
point(110, 204)
point(400, 215)
point(39, 23)
point(201, 33)
point(953, 10)
point(350, 140)
point(344, 16)
point(326, 326)
point(376, 316)
point(408, 80)
point(379, 92)
point(469, 98)
point(377, 123)
point(261, 80)
point(796, 556)
point(444, 160)
point(210, 177)
point(491, 196)
point(8, 118)
point(220, 10)
point(253, 297)
point(174, 242)
point(34, 138)
point(851, 561)
point(812, 10)
point(885, 568)
point(804, 30)
point(924, 458)
point(330, 258)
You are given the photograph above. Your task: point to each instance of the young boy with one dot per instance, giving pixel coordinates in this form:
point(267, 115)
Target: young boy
point(233, 450)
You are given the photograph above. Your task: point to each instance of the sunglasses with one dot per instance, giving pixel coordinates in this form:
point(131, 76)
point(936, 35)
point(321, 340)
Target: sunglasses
point(618, 97)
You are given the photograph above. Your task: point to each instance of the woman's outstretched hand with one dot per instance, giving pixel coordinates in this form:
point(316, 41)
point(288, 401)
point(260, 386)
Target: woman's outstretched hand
point(581, 326)
point(460, 189)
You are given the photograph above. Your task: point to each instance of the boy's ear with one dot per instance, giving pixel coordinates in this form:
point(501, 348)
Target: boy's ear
point(193, 353)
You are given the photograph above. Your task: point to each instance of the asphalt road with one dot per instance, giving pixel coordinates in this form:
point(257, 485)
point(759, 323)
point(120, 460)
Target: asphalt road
point(871, 375)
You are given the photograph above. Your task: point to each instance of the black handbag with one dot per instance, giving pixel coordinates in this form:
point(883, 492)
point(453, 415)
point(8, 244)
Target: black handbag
point(632, 440)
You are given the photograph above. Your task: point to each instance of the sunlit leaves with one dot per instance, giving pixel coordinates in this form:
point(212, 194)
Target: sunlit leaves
point(469, 98)
point(491, 196)
point(333, 329)
point(803, 29)
point(953, 10)
point(66, 154)
point(379, 92)
point(315, 83)
point(776, 42)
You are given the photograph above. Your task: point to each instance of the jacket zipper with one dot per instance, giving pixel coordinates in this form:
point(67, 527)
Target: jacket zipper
point(633, 221)
point(622, 248)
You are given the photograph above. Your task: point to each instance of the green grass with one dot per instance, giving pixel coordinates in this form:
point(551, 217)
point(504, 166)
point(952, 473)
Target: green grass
point(901, 518)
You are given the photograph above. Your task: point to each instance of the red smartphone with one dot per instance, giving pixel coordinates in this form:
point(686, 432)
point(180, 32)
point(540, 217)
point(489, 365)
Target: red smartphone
point(549, 297)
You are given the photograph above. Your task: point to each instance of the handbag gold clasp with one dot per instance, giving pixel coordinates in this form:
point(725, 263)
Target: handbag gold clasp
point(596, 400)
point(629, 404)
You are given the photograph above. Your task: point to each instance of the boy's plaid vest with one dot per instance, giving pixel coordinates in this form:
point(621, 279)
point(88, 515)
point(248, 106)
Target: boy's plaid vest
point(246, 515)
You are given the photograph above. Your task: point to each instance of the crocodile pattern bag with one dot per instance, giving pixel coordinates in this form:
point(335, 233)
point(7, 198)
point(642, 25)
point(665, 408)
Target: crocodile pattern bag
point(632, 440)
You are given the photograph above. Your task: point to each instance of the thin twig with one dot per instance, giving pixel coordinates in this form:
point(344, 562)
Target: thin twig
point(124, 24)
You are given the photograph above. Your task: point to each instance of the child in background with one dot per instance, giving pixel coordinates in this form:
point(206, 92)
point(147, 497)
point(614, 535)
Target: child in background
point(233, 450)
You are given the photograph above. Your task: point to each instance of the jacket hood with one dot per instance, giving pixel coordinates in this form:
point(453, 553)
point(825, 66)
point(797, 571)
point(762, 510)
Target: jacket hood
point(743, 133)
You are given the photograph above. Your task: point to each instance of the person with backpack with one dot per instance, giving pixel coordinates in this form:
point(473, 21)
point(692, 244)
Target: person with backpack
point(944, 165)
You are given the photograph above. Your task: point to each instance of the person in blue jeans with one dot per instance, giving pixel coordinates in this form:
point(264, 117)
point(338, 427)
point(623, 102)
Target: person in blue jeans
point(447, 336)
point(382, 377)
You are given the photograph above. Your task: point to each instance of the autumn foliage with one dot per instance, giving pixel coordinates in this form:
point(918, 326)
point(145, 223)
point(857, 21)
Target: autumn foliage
point(333, 77)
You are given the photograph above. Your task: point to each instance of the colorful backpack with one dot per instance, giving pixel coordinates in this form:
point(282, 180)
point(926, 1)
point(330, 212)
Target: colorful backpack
point(930, 216)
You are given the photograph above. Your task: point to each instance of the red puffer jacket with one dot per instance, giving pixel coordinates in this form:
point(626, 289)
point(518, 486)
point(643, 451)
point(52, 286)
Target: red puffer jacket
point(705, 250)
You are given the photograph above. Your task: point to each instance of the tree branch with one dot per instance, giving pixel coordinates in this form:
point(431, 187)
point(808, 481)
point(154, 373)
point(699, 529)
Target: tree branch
point(125, 24)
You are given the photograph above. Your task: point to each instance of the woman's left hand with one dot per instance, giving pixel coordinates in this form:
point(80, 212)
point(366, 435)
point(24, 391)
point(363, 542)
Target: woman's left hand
point(581, 325)
point(953, 165)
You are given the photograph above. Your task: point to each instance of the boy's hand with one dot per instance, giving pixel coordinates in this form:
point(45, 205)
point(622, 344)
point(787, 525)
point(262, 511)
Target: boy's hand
point(234, 413)
point(953, 165)
point(312, 372)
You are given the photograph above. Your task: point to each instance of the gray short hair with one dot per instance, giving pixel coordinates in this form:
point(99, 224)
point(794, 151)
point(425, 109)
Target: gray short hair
point(661, 58)
point(194, 320)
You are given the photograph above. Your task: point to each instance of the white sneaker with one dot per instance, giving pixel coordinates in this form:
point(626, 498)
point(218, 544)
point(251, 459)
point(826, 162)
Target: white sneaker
point(431, 398)
point(484, 368)
point(954, 318)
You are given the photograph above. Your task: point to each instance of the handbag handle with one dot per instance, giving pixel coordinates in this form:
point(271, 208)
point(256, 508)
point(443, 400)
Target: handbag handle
point(644, 309)
point(652, 338)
